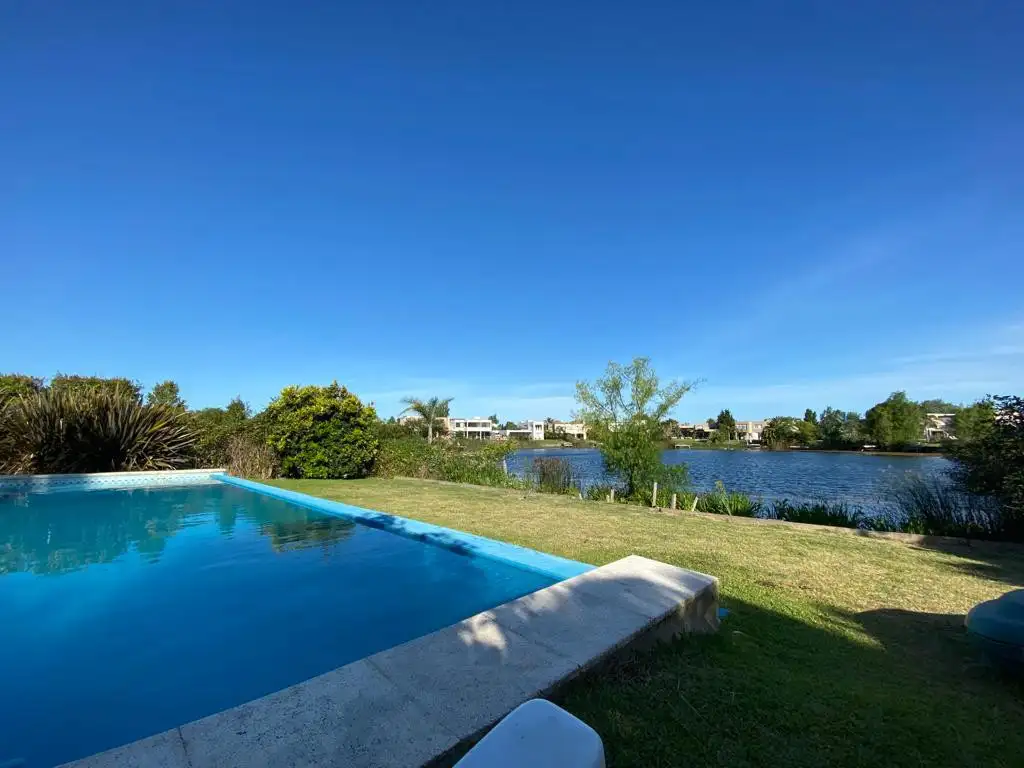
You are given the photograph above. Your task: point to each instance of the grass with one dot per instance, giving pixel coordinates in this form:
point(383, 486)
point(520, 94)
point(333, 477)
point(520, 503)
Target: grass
point(723, 502)
point(838, 650)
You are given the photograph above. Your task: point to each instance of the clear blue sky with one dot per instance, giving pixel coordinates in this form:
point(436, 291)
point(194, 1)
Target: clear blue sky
point(801, 204)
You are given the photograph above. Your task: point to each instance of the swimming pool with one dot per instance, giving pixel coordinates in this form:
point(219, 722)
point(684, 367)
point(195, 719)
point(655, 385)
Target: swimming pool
point(127, 612)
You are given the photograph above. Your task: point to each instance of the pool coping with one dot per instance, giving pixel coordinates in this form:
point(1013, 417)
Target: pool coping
point(93, 481)
point(470, 544)
point(416, 703)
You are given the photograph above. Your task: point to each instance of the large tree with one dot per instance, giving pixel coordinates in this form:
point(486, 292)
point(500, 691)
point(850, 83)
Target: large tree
point(939, 406)
point(430, 411)
point(217, 427)
point(830, 427)
point(726, 424)
point(896, 421)
point(806, 432)
point(992, 464)
point(974, 421)
point(165, 393)
point(624, 411)
point(839, 429)
point(780, 432)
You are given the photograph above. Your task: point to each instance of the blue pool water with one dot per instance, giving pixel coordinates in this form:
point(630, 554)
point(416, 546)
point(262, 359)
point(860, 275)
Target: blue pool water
point(125, 613)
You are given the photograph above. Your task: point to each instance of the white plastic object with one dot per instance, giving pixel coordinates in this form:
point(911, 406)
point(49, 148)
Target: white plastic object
point(537, 734)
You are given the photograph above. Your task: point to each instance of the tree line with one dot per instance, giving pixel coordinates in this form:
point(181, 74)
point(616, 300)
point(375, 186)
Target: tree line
point(73, 423)
point(893, 424)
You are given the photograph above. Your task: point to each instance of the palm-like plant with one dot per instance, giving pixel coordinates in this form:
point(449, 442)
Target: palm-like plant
point(98, 431)
point(429, 410)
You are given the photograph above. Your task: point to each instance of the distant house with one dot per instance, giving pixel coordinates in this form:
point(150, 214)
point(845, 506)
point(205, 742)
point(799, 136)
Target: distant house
point(527, 430)
point(939, 427)
point(478, 427)
point(574, 430)
point(750, 431)
point(697, 431)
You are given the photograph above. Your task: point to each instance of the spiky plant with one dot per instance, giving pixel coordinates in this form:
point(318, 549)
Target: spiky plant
point(100, 431)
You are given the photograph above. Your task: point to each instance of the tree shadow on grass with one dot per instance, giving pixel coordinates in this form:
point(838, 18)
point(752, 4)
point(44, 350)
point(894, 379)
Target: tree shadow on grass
point(994, 561)
point(893, 688)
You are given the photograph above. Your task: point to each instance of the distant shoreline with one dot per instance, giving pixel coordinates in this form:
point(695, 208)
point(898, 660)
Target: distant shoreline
point(743, 449)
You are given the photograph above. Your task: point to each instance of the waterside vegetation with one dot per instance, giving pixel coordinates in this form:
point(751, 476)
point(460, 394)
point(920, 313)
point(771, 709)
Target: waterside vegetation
point(836, 650)
point(80, 423)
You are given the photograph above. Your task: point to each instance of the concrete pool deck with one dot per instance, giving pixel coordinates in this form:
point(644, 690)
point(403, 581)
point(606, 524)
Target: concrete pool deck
point(414, 703)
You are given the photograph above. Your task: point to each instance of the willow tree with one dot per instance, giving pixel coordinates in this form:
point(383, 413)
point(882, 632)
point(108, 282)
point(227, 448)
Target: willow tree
point(624, 411)
point(429, 410)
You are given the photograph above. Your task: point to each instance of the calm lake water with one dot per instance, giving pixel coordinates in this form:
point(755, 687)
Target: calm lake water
point(858, 479)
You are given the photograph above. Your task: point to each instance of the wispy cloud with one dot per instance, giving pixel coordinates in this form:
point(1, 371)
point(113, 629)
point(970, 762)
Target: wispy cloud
point(980, 361)
point(963, 371)
point(536, 400)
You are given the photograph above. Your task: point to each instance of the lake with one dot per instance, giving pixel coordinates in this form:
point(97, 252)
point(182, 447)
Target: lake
point(859, 479)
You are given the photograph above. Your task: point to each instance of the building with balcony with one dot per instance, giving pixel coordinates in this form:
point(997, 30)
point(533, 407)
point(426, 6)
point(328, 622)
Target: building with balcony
point(939, 427)
point(527, 430)
point(750, 431)
point(571, 430)
point(477, 428)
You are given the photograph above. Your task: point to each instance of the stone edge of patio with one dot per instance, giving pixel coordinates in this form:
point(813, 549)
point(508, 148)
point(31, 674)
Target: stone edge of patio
point(415, 703)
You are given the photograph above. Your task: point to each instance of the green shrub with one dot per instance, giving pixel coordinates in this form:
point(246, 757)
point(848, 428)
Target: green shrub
point(251, 457)
point(217, 427)
point(724, 502)
point(99, 430)
point(446, 460)
point(480, 467)
point(992, 465)
point(64, 383)
point(598, 492)
point(13, 385)
point(410, 457)
point(322, 432)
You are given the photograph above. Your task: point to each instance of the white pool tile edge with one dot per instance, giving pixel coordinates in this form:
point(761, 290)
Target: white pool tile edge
point(409, 705)
point(107, 480)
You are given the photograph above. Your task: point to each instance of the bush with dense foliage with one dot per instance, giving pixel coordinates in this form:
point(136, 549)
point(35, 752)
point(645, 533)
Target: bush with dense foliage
point(250, 456)
point(992, 464)
point(896, 422)
point(217, 427)
point(166, 393)
point(92, 430)
point(65, 383)
point(446, 460)
point(14, 385)
point(322, 432)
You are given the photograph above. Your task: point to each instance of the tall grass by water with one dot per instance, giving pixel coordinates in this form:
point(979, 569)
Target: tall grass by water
point(940, 509)
point(725, 502)
point(553, 475)
point(929, 506)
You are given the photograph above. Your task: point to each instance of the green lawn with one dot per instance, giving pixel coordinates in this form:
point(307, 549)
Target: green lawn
point(838, 650)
